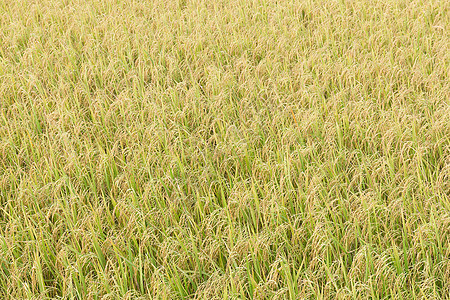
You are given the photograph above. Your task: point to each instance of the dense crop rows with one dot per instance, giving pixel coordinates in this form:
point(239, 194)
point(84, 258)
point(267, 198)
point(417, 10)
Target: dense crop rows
point(224, 149)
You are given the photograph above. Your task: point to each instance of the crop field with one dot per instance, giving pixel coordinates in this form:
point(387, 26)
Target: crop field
point(224, 149)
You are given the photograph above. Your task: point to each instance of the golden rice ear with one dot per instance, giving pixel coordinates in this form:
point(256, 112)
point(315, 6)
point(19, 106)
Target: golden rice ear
point(224, 149)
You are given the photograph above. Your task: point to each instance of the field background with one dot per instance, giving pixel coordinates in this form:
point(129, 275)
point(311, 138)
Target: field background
point(224, 149)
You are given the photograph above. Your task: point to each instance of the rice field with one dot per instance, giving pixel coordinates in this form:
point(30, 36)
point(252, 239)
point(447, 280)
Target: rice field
point(224, 149)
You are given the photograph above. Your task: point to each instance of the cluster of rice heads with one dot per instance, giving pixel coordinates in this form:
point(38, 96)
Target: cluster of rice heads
point(224, 149)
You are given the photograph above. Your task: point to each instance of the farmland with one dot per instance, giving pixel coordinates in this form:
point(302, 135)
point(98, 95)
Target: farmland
point(224, 149)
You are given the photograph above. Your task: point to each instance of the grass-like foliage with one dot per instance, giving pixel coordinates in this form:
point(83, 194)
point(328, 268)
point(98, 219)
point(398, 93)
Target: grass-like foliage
point(224, 149)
